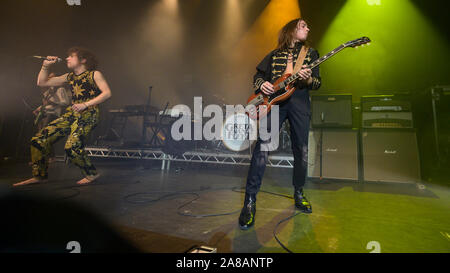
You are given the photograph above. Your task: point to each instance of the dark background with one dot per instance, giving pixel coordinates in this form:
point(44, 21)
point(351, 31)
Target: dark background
point(141, 44)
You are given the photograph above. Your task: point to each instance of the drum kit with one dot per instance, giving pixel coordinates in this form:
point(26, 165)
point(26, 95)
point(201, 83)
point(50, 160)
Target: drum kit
point(239, 134)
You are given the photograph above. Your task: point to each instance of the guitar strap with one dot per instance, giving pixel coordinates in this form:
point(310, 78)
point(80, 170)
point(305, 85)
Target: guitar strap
point(300, 59)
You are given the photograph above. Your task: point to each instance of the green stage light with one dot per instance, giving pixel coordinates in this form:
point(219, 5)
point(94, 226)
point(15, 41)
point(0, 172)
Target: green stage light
point(374, 2)
point(403, 56)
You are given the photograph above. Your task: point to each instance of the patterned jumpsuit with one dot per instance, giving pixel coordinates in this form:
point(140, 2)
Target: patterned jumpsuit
point(76, 125)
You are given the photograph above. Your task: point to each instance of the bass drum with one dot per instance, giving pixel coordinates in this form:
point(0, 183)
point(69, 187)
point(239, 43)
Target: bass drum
point(239, 132)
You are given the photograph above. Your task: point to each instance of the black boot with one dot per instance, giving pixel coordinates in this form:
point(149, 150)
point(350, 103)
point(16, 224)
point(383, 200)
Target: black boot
point(247, 217)
point(301, 202)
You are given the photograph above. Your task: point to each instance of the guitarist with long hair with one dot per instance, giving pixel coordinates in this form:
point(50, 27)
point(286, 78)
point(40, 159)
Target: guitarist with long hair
point(292, 39)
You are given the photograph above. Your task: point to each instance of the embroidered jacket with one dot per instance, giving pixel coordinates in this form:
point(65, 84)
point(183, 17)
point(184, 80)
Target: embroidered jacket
point(274, 64)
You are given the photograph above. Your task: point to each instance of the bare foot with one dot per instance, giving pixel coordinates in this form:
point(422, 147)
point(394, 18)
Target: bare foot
point(30, 181)
point(88, 179)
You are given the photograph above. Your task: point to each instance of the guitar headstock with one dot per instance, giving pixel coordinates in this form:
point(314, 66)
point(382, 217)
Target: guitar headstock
point(358, 42)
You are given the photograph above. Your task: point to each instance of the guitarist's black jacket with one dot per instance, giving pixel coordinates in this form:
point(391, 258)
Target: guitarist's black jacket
point(274, 64)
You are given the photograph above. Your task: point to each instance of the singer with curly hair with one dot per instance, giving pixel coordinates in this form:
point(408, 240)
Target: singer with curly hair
point(89, 89)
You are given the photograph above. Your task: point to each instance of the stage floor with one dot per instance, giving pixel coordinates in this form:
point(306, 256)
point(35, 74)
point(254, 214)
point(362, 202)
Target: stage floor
point(346, 215)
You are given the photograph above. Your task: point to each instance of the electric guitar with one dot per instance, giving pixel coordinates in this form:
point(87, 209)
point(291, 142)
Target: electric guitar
point(284, 86)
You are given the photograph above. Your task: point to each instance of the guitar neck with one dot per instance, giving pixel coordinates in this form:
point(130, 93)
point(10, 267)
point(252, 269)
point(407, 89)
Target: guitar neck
point(326, 57)
point(315, 63)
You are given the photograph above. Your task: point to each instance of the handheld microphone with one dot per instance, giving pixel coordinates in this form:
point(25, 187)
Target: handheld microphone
point(45, 58)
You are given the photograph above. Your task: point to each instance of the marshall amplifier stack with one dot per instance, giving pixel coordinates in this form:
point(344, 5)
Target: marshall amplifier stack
point(379, 145)
point(388, 111)
point(333, 144)
point(388, 139)
point(331, 111)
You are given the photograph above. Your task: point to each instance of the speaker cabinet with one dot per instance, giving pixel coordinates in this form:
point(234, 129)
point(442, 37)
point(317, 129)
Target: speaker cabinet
point(331, 111)
point(390, 155)
point(339, 154)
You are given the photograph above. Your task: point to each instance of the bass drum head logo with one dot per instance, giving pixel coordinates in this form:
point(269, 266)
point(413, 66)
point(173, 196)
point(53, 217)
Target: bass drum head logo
point(239, 132)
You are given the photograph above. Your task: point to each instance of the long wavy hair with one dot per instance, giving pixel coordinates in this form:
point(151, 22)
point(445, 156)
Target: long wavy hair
point(286, 35)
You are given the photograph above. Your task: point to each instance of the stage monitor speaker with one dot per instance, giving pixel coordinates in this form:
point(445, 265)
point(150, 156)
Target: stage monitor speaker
point(331, 111)
point(339, 154)
point(390, 155)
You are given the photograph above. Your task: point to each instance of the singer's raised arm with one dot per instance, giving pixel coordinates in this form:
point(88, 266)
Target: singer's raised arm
point(43, 80)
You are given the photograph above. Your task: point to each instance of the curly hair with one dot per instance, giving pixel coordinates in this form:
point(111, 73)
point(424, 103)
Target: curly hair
point(83, 53)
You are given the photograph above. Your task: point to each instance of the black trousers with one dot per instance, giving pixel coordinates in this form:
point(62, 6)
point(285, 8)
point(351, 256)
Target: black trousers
point(299, 120)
